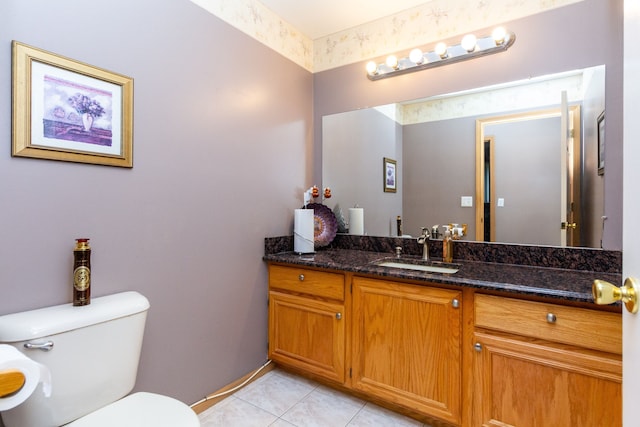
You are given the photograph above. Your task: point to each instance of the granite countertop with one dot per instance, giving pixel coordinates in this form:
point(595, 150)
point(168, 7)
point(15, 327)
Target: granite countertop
point(535, 281)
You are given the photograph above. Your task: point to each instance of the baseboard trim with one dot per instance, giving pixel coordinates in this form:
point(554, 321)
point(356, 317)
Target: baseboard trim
point(206, 403)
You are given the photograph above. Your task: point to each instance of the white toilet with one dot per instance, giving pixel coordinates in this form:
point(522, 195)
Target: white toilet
point(92, 353)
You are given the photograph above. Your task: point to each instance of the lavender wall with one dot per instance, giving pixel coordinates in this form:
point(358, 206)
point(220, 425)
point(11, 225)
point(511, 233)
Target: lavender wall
point(581, 35)
point(442, 155)
point(527, 177)
point(359, 140)
point(592, 189)
point(222, 152)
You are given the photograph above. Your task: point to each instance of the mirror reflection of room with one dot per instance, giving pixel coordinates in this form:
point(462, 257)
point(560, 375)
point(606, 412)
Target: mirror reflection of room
point(436, 143)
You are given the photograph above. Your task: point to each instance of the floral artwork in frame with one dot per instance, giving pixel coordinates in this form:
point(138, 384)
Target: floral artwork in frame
point(67, 110)
point(390, 177)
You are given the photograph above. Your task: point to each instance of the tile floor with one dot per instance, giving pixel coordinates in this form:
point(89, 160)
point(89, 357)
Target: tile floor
point(281, 399)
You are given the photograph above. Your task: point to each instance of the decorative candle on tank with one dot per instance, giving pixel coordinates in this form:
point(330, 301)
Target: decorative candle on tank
point(82, 273)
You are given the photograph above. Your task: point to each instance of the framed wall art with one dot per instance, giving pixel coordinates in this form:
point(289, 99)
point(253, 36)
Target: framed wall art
point(390, 178)
point(67, 110)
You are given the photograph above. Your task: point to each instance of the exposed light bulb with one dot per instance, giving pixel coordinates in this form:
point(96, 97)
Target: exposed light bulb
point(468, 43)
point(416, 57)
point(372, 68)
point(392, 62)
point(441, 50)
point(499, 35)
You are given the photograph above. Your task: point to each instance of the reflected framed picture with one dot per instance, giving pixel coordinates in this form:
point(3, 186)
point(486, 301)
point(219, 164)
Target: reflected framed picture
point(70, 111)
point(601, 144)
point(390, 175)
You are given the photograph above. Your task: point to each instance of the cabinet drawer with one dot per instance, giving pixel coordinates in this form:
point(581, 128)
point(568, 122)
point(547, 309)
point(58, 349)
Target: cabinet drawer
point(592, 329)
point(311, 282)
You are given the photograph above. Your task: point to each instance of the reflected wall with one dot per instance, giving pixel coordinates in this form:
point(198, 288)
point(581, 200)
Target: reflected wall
point(545, 45)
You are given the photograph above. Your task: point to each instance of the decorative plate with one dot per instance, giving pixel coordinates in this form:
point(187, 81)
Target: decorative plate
point(325, 225)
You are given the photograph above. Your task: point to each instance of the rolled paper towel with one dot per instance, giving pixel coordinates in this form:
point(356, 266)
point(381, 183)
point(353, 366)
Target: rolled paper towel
point(12, 360)
point(356, 221)
point(303, 232)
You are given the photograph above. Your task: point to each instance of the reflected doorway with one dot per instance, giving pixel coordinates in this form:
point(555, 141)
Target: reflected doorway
point(489, 191)
point(524, 176)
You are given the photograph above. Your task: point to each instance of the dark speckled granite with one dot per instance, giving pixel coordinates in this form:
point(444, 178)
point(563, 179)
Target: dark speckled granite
point(557, 273)
point(538, 256)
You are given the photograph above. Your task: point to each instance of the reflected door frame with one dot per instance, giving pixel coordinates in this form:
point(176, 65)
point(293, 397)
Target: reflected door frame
point(573, 193)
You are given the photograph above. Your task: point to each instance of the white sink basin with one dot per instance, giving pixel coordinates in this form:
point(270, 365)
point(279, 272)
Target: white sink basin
point(419, 267)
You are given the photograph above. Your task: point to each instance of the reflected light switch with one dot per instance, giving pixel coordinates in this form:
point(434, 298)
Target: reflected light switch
point(500, 202)
point(466, 201)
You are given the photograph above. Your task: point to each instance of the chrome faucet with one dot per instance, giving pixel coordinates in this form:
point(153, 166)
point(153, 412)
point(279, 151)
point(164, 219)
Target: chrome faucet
point(398, 252)
point(435, 233)
point(424, 241)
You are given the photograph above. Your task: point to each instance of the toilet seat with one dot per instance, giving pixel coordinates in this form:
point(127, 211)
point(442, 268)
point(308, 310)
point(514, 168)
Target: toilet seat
point(141, 410)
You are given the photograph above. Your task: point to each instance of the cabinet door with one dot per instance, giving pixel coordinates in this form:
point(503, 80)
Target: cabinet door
point(307, 334)
point(407, 345)
point(531, 383)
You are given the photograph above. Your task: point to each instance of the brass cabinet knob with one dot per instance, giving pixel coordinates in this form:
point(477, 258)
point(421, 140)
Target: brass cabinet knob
point(338, 316)
point(301, 277)
point(608, 293)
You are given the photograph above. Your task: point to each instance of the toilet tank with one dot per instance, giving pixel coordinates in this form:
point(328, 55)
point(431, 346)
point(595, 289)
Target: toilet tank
point(93, 357)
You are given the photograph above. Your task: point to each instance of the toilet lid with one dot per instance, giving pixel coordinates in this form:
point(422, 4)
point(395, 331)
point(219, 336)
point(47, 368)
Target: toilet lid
point(141, 410)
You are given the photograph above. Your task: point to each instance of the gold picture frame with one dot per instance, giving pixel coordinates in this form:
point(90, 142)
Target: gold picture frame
point(390, 178)
point(67, 110)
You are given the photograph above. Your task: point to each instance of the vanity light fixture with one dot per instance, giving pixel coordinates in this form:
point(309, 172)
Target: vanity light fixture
point(470, 47)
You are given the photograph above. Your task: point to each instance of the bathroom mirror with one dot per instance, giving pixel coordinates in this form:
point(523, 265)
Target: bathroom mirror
point(434, 144)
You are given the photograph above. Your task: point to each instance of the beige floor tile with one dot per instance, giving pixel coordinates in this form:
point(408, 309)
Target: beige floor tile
point(281, 399)
point(234, 412)
point(281, 423)
point(324, 407)
point(275, 393)
point(375, 416)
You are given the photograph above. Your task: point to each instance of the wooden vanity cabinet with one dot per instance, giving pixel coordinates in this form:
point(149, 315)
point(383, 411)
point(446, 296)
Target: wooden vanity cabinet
point(307, 320)
point(539, 364)
point(406, 345)
point(526, 363)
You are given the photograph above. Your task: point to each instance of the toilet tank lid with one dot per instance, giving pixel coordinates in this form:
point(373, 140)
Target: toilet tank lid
point(53, 320)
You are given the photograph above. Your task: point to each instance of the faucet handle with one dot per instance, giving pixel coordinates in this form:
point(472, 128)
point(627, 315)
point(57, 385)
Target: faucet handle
point(398, 251)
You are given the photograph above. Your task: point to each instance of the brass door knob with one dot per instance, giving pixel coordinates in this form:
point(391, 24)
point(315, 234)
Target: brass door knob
point(608, 293)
